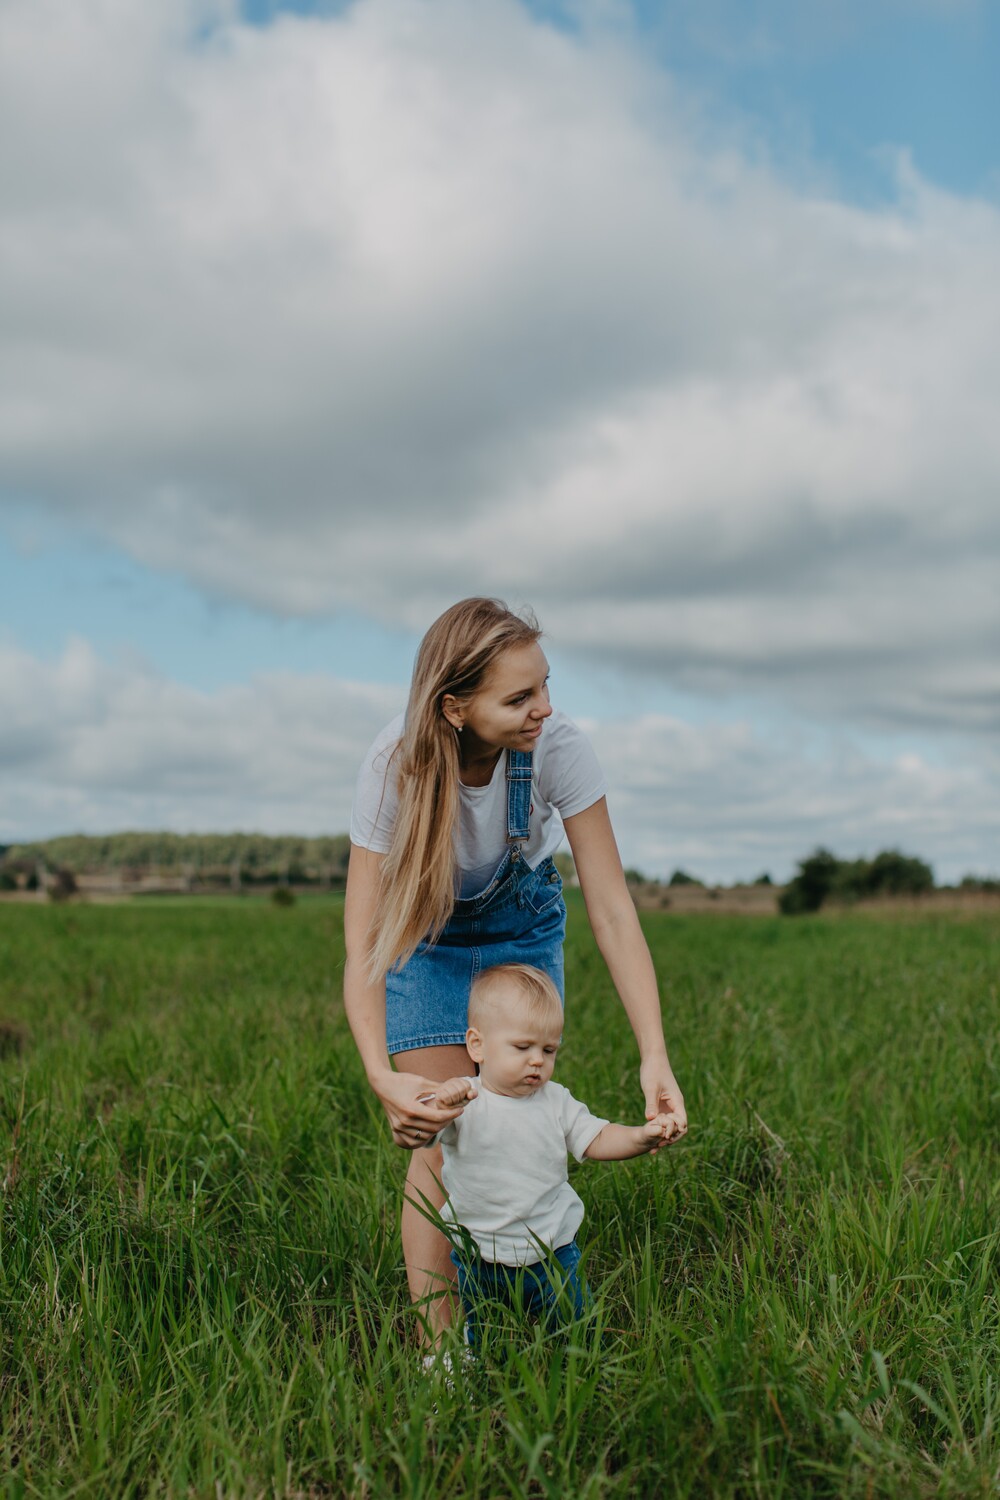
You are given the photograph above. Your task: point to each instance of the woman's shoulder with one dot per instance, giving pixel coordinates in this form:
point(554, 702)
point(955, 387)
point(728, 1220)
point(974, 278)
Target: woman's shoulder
point(568, 772)
point(374, 810)
point(560, 730)
point(562, 743)
point(385, 741)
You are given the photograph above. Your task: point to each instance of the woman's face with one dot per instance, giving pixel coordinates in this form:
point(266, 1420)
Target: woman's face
point(510, 708)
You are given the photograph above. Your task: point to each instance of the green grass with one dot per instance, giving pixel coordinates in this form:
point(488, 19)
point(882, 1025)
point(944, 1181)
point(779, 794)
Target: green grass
point(200, 1282)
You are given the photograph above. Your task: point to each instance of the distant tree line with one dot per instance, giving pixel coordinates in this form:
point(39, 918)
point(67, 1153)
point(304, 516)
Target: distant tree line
point(238, 859)
point(243, 858)
point(822, 878)
point(681, 877)
point(980, 885)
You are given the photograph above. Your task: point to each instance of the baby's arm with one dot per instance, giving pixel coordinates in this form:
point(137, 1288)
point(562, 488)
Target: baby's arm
point(619, 1142)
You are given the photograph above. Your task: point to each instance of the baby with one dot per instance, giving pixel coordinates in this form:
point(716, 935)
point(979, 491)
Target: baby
point(509, 1199)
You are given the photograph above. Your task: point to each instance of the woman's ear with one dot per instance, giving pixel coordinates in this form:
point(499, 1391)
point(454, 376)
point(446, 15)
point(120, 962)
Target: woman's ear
point(474, 1044)
point(452, 711)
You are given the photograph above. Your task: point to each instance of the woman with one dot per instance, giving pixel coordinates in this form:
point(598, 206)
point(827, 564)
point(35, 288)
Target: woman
point(459, 809)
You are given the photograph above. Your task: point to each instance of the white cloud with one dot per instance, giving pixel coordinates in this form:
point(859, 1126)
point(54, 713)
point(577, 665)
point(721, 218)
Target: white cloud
point(94, 746)
point(723, 802)
point(430, 298)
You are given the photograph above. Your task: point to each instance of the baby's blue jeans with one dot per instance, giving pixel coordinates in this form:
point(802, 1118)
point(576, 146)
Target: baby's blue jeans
point(556, 1296)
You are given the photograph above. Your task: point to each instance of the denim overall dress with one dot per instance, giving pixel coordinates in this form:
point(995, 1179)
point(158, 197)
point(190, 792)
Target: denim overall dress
point(518, 917)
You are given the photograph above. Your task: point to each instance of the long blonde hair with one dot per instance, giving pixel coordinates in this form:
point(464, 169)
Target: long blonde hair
point(418, 874)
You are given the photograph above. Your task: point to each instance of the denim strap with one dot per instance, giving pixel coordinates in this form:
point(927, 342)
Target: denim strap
point(518, 795)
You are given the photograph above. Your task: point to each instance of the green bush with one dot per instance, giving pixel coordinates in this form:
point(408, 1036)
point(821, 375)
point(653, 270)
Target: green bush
point(823, 877)
point(894, 874)
point(812, 885)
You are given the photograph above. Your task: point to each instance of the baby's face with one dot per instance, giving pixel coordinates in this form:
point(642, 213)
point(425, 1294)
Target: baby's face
point(516, 1055)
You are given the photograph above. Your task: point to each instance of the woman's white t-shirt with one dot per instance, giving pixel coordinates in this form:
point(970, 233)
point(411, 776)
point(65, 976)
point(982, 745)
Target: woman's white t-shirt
point(566, 778)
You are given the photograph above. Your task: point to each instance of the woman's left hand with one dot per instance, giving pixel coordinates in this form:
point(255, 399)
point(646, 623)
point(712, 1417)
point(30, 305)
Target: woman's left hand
point(662, 1094)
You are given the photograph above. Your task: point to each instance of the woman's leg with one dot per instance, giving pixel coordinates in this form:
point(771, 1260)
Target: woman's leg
point(427, 1253)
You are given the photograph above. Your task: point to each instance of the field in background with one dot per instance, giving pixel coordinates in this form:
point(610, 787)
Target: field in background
point(649, 896)
point(762, 901)
point(200, 1284)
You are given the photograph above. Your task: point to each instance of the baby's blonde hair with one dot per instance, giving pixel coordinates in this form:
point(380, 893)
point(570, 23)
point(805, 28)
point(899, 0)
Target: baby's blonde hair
point(537, 996)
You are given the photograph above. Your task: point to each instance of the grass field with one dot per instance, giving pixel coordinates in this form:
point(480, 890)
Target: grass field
point(200, 1283)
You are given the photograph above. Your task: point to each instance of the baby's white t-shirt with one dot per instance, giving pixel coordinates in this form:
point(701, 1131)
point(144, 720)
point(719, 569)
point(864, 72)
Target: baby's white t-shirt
point(504, 1171)
point(566, 778)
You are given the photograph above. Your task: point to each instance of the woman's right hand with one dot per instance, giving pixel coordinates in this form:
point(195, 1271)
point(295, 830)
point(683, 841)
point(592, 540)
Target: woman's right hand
point(419, 1107)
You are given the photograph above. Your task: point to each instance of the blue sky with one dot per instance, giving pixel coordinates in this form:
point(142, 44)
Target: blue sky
point(695, 301)
point(834, 87)
point(823, 86)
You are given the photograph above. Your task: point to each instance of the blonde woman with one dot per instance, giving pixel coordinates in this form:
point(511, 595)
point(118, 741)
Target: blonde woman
point(460, 806)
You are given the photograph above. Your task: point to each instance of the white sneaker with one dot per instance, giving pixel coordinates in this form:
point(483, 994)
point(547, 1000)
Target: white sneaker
point(446, 1366)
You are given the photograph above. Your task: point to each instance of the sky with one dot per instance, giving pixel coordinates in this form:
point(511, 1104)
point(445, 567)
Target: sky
point(678, 323)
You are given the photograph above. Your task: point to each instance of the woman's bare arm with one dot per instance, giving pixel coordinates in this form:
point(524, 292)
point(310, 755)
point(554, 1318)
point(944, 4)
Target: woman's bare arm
point(620, 938)
point(364, 1004)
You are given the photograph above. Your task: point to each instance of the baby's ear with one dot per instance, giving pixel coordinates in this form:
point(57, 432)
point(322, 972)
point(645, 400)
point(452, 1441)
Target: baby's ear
point(474, 1044)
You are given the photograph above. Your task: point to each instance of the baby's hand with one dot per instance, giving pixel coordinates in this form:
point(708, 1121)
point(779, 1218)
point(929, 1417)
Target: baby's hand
point(662, 1129)
point(450, 1094)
